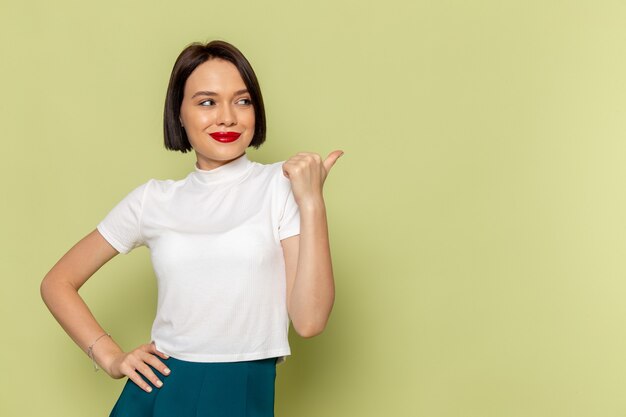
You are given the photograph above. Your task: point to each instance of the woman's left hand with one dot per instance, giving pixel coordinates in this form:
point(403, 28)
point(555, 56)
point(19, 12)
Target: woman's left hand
point(307, 173)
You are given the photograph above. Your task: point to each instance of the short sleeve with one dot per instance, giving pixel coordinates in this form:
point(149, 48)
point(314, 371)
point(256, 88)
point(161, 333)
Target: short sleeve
point(121, 226)
point(289, 224)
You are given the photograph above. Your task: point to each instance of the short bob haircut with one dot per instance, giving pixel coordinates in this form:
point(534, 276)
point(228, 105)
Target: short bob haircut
point(192, 56)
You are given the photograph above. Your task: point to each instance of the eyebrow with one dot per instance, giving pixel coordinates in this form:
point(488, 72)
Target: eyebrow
point(212, 93)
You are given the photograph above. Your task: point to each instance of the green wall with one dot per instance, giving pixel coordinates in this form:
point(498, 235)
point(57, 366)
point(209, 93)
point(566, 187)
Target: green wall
point(477, 216)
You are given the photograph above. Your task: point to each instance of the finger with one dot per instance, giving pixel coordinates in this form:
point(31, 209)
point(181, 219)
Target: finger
point(147, 372)
point(291, 167)
point(139, 381)
point(158, 352)
point(331, 159)
point(157, 364)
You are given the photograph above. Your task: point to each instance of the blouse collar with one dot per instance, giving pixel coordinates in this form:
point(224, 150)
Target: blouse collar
point(231, 171)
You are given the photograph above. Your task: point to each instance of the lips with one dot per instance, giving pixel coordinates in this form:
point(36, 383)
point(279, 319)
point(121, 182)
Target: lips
point(225, 137)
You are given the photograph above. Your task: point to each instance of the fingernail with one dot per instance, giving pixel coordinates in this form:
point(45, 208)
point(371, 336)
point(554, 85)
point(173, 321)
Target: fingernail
point(167, 370)
point(149, 389)
point(166, 356)
point(159, 384)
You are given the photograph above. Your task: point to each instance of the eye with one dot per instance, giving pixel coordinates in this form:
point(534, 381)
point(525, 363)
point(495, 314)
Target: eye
point(207, 103)
point(244, 101)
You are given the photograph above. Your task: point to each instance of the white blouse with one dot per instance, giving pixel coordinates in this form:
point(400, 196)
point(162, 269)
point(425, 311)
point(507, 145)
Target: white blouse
point(214, 239)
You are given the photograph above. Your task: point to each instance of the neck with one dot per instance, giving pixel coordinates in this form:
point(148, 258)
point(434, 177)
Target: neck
point(209, 164)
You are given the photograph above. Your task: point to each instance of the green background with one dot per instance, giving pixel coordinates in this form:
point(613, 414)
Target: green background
point(477, 217)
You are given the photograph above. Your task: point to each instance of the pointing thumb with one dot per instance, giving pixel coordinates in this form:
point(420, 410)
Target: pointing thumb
point(331, 159)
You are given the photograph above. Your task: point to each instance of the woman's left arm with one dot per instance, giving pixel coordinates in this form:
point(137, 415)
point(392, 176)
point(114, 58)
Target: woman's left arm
point(310, 282)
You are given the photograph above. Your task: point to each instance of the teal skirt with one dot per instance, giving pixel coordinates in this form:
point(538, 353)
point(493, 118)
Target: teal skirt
point(201, 389)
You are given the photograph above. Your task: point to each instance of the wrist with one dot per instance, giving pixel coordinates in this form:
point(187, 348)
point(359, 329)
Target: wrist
point(311, 204)
point(105, 352)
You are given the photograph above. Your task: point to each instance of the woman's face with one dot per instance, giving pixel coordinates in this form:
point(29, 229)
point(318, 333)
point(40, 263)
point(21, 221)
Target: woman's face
point(217, 113)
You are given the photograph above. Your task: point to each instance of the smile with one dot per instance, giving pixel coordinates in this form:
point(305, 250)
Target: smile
point(225, 137)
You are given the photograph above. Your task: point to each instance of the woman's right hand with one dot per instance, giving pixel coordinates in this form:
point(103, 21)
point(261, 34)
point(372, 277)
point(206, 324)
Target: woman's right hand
point(59, 290)
point(136, 361)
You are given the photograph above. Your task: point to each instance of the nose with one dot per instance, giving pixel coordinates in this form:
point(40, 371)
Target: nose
point(226, 116)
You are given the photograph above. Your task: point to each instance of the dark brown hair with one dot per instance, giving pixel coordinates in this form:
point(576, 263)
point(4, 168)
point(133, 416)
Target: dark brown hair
point(192, 56)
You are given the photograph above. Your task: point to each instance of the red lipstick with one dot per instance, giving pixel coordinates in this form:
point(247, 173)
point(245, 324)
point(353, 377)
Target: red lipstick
point(225, 137)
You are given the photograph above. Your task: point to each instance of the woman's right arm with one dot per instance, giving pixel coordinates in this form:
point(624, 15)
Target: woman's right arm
point(59, 290)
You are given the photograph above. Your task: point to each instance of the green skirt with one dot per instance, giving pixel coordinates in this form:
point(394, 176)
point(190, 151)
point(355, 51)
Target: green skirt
point(202, 389)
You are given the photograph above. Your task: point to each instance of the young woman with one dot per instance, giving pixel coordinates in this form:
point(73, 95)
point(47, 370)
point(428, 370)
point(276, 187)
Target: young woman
point(239, 250)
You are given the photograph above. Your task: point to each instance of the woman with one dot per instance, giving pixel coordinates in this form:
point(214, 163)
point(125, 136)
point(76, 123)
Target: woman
point(239, 250)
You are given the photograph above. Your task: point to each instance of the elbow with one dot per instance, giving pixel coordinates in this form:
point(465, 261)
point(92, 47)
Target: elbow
point(311, 329)
point(309, 332)
point(45, 288)
point(312, 323)
point(49, 288)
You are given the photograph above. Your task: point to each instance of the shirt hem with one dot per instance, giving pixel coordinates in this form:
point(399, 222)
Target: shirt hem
point(114, 242)
point(288, 233)
point(281, 354)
